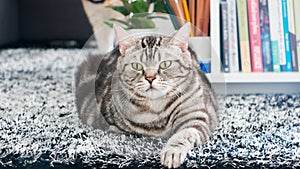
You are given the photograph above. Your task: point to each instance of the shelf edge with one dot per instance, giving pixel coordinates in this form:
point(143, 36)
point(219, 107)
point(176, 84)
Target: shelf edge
point(283, 77)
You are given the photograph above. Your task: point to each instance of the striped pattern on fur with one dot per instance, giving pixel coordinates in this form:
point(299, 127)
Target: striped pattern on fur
point(149, 85)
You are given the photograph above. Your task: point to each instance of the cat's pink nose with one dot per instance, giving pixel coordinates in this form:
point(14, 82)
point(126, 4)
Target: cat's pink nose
point(150, 79)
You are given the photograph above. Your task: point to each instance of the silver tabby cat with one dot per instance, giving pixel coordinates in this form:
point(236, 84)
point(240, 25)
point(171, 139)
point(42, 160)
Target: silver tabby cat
point(149, 85)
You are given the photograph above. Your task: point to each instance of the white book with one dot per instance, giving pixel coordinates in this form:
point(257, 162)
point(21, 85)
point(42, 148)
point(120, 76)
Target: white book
point(291, 16)
point(282, 57)
point(275, 32)
point(233, 39)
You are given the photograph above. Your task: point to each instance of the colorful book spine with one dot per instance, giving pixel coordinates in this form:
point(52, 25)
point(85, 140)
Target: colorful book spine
point(285, 20)
point(282, 58)
point(224, 35)
point(233, 39)
point(255, 37)
point(297, 24)
point(292, 32)
point(273, 5)
point(243, 36)
point(265, 35)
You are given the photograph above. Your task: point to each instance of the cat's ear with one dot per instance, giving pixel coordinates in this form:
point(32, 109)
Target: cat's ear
point(181, 37)
point(123, 39)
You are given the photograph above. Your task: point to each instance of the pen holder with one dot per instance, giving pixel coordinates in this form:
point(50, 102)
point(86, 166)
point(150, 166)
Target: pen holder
point(202, 46)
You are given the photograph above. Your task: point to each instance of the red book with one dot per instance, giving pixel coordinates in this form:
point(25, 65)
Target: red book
point(254, 36)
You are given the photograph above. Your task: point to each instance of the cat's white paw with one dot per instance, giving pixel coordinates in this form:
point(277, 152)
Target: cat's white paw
point(173, 157)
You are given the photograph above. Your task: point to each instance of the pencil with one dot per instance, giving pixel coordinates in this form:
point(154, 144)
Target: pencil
point(200, 5)
point(177, 8)
point(173, 17)
point(187, 15)
point(192, 6)
point(206, 18)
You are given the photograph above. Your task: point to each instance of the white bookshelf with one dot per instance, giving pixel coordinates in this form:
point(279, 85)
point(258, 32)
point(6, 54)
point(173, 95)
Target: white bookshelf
point(282, 82)
point(268, 77)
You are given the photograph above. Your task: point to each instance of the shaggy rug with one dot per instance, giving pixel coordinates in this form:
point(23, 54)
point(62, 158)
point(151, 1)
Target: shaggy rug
point(40, 128)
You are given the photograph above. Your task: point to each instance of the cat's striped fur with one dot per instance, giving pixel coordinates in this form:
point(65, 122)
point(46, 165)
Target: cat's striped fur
point(151, 85)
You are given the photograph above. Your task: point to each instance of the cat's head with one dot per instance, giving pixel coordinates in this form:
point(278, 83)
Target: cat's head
point(153, 66)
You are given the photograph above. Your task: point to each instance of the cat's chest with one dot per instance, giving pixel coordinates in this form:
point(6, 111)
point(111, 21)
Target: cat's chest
point(156, 106)
point(151, 110)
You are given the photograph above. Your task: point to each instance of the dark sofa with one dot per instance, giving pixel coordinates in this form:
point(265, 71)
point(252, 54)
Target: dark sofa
point(42, 22)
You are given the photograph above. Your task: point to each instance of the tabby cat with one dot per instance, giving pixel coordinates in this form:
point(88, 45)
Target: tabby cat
point(150, 85)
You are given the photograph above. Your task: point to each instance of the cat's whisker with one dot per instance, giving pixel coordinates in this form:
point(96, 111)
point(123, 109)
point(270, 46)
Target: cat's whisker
point(126, 97)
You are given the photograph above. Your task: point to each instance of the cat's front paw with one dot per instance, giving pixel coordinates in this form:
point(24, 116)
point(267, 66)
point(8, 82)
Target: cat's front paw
point(172, 157)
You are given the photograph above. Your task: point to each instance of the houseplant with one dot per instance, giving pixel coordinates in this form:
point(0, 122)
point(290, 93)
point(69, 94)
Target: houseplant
point(138, 14)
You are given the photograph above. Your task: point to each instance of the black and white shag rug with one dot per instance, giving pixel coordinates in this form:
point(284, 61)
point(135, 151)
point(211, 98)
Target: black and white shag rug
point(40, 128)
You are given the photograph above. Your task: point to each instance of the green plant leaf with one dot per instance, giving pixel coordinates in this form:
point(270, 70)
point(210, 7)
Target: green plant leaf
point(159, 6)
point(111, 25)
point(157, 17)
point(141, 23)
point(121, 9)
point(120, 21)
point(125, 3)
point(139, 6)
point(141, 15)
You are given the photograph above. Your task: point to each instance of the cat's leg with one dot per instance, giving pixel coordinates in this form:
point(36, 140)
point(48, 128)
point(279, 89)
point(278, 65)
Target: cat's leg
point(177, 147)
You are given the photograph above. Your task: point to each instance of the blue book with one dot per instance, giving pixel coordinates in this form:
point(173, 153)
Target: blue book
point(288, 55)
point(265, 35)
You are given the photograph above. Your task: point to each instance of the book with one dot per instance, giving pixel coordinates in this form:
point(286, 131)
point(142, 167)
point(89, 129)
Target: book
point(285, 20)
point(297, 24)
point(224, 35)
point(275, 28)
point(282, 57)
point(265, 35)
point(232, 35)
point(254, 36)
point(292, 32)
point(243, 36)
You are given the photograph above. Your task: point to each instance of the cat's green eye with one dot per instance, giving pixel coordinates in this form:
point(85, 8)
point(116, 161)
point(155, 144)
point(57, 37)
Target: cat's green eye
point(137, 66)
point(165, 64)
